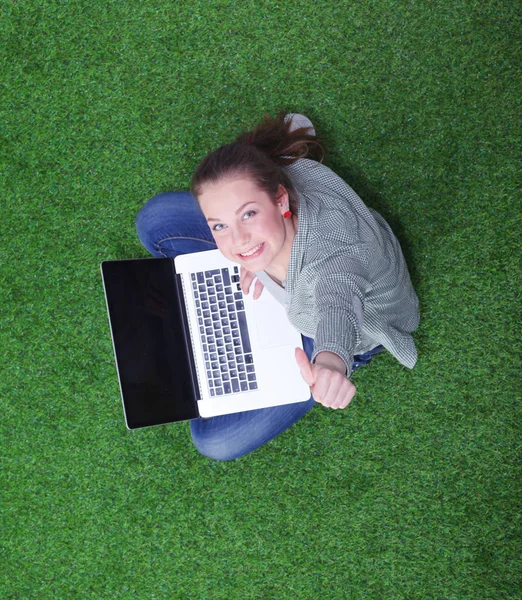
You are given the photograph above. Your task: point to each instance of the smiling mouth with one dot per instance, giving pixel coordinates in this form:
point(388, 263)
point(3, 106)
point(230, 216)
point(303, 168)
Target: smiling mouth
point(255, 250)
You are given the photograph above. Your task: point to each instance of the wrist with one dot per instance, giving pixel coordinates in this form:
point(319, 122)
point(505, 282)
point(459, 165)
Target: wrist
point(330, 360)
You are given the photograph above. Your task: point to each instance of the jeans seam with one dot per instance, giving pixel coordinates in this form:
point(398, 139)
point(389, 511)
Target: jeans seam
point(179, 237)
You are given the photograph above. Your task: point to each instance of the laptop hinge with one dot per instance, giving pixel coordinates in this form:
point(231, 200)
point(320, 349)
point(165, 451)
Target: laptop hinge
point(187, 338)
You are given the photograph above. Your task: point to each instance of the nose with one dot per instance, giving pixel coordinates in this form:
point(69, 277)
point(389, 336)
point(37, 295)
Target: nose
point(240, 239)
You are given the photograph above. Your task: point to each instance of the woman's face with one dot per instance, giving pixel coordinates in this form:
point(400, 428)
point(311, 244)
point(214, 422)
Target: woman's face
point(246, 223)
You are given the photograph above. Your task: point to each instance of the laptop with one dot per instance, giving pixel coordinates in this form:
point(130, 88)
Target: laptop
point(188, 343)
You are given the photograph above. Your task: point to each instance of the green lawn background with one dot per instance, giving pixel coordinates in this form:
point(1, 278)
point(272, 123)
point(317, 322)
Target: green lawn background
point(414, 491)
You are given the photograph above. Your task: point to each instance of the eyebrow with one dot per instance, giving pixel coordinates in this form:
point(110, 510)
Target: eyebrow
point(238, 210)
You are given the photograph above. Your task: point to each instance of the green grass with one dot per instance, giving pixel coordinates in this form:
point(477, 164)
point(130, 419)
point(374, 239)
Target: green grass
point(413, 492)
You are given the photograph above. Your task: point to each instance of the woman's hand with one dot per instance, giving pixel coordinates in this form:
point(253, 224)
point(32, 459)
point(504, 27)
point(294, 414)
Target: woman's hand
point(329, 386)
point(245, 280)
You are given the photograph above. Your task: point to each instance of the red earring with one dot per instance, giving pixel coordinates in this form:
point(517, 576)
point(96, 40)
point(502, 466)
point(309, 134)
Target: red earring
point(287, 214)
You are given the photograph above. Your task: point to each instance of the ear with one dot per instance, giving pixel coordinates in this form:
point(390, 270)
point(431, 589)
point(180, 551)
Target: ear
point(282, 197)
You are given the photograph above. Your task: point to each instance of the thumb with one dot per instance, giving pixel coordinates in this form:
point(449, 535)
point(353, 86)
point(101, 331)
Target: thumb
point(305, 366)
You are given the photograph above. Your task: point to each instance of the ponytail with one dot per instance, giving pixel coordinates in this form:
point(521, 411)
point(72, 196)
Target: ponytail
point(274, 138)
point(260, 154)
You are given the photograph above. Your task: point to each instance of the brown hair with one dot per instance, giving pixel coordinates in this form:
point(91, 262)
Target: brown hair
point(261, 155)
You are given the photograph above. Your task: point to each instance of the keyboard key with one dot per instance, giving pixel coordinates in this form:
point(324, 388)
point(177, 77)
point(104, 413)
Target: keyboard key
point(235, 385)
point(252, 385)
point(227, 388)
point(244, 386)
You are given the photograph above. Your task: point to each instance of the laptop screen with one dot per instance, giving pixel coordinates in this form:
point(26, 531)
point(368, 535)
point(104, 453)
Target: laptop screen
point(154, 365)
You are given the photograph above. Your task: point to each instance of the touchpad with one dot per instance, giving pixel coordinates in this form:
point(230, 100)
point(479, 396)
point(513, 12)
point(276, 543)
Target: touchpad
point(272, 323)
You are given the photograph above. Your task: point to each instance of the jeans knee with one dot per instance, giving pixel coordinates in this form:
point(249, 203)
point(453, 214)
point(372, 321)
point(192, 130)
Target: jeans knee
point(217, 446)
point(152, 215)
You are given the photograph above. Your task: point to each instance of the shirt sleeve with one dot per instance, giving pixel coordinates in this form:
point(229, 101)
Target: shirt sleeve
point(342, 280)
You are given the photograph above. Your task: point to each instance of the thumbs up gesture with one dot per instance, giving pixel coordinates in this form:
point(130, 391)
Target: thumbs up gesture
point(328, 385)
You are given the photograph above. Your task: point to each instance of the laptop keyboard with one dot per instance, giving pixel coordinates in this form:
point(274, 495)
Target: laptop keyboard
point(224, 332)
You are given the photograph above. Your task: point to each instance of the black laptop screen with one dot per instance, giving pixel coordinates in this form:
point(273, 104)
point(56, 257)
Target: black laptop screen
point(149, 341)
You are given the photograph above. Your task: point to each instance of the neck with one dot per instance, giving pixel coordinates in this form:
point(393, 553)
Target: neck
point(278, 269)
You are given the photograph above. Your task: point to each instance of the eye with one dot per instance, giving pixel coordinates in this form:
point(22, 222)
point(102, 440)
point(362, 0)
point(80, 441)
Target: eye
point(217, 227)
point(250, 212)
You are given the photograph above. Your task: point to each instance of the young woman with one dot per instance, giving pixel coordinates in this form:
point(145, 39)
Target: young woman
point(299, 230)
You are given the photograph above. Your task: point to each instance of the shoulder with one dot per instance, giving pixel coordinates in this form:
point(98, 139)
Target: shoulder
point(320, 188)
point(309, 170)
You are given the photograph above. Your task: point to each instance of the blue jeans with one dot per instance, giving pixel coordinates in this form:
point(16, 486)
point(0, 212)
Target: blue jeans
point(171, 224)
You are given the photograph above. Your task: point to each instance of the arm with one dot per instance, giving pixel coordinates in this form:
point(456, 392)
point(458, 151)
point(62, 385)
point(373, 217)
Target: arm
point(340, 287)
